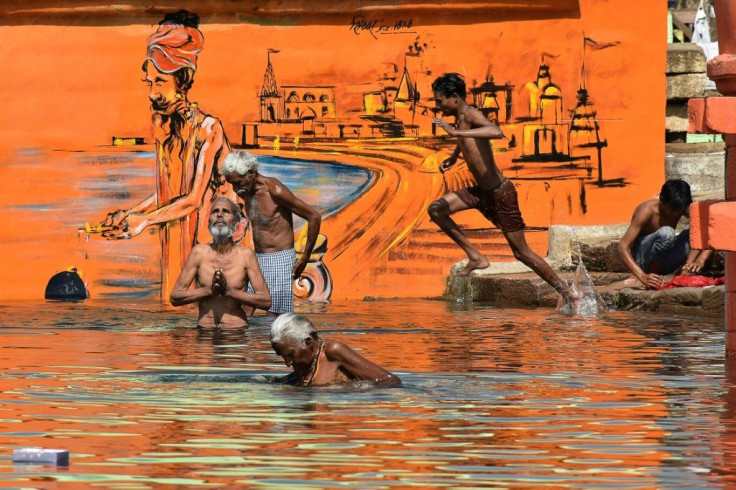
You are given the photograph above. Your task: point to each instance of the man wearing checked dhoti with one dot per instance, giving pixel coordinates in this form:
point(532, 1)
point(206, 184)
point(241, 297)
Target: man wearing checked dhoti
point(269, 206)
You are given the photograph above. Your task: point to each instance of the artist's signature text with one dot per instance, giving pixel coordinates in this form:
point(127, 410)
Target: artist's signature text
point(361, 24)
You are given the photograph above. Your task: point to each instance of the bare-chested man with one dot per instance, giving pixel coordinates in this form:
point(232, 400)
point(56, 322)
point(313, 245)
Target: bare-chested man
point(270, 205)
point(657, 249)
point(189, 146)
point(318, 362)
point(222, 271)
point(494, 195)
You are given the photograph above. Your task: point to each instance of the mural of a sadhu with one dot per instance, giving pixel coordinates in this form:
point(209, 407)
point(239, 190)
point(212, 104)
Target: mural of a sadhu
point(189, 148)
point(337, 104)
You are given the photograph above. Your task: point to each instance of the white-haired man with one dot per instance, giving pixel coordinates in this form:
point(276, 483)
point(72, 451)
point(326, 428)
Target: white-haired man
point(222, 271)
point(318, 362)
point(270, 206)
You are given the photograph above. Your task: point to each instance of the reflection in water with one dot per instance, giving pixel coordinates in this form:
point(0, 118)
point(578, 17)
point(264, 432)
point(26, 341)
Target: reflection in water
point(492, 397)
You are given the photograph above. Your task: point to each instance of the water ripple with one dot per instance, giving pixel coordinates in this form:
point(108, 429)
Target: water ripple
point(491, 397)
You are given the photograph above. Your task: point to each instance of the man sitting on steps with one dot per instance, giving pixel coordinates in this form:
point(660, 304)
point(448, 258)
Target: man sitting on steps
point(651, 248)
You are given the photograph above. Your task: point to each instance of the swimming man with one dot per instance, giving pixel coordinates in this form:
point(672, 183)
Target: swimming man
point(318, 362)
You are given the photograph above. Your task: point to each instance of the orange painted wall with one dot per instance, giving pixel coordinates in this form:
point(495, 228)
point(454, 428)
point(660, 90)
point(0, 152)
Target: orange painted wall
point(68, 88)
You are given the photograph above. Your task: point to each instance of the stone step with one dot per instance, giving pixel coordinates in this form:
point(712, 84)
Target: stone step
point(685, 58)
point(618, 292)
point(602, 255)
point(599, 255)
point(700, 165)
point(419, 257)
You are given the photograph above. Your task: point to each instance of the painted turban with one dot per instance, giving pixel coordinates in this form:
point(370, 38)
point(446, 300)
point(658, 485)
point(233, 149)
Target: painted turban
point(174, 46)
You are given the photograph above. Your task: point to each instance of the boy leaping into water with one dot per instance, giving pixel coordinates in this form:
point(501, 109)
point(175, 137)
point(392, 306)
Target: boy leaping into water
point(494, 195)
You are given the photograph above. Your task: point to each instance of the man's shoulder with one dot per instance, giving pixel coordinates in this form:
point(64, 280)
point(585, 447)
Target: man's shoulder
point(272, 182)
point(201, 247)
point(334, 349)
point(474, 114)
point(277, 188)
point(647, 207)
point(199, 250)
point(245, 251)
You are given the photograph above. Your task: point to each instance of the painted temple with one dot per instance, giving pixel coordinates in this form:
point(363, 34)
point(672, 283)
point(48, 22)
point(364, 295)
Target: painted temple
point(571, 146)
point(546, 141)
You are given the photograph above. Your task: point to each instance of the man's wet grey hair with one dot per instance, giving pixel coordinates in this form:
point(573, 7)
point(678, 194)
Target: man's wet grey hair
point(293, 326)
point(240, 162)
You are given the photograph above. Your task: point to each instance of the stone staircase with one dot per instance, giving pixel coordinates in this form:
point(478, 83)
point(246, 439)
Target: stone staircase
point(435, 246)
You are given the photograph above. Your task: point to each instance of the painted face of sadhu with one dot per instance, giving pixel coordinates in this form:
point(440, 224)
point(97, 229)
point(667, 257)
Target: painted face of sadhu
point(163, 93)
point(171, 60)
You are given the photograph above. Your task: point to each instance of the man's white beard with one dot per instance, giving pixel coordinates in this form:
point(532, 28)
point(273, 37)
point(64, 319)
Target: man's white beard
point(221, 233)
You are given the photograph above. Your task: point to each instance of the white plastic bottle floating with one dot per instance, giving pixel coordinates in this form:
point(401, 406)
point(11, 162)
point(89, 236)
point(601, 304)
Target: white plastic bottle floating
point(37, 455)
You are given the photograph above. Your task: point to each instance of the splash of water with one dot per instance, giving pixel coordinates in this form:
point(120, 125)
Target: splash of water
point(591, 303)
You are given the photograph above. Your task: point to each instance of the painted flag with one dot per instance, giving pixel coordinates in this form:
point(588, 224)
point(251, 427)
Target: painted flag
point(596, 46)
point(271, 50)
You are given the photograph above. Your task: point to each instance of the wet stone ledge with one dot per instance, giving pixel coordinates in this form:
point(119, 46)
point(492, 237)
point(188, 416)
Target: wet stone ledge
point(616, 289)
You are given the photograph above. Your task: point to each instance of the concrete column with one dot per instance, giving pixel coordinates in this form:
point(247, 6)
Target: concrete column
point(718, 115)
point(730, 140)
point(731, 304)
point(730, 256)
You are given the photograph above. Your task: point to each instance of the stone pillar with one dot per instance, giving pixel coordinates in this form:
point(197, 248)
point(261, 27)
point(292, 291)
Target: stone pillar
point(718, 115)
point(725, 78)
point(730, 256)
